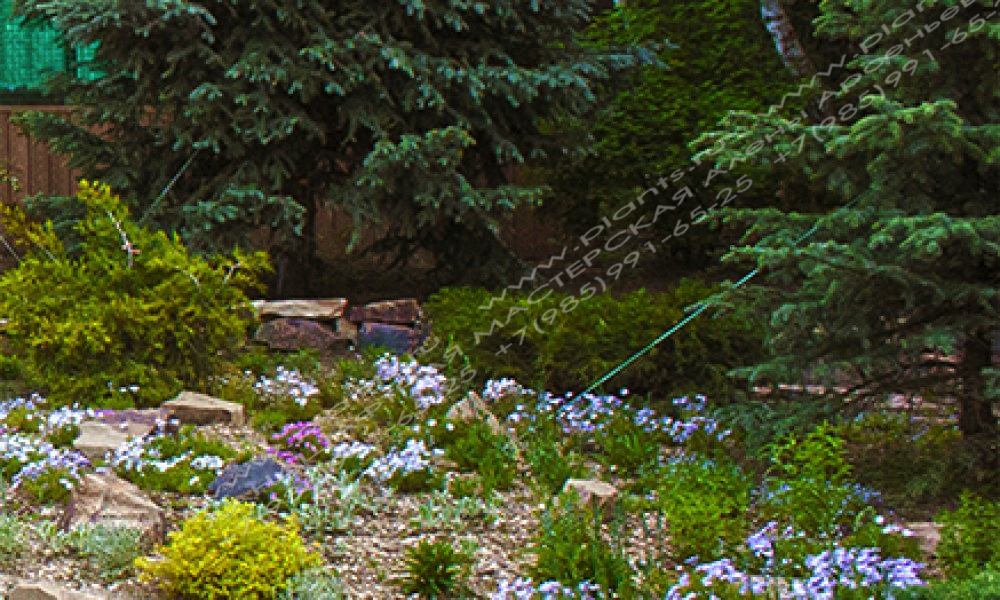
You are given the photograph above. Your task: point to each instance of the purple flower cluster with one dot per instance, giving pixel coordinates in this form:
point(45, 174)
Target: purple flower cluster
point(854, 568)
point(524, 589)
point(497, 389)
point(32, 402)
point(345, 450)
point(303, 441)
point(424, 384)
point(829, 571)
point(286, 383)
point(590, 413)
point(414, 457)
point(138, 455)
point(68, 462)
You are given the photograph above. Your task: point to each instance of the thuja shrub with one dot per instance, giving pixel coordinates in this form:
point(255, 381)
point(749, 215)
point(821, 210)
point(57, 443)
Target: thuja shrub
point(229, 553)
point(119, 305)
point(560, 342)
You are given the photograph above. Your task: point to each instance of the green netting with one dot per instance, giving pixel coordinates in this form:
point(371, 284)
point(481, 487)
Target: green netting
point(29, 53)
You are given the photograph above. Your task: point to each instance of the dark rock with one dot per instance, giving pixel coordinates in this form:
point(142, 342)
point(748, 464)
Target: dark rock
point(298, 334)
point(247, 479)
point(396, 338)
point(399, 312)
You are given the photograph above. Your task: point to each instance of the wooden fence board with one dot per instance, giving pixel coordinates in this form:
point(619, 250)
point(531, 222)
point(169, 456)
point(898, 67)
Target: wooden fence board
point(37, 169)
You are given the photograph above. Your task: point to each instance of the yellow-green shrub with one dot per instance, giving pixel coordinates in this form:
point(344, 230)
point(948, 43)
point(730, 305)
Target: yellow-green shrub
point(229, 553)
point(113, 306)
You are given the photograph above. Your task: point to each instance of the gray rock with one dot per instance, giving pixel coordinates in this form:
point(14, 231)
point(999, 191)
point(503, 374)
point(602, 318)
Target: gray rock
point(192, 408)
point(96, 439)
point(246, 479)
point(106, 499)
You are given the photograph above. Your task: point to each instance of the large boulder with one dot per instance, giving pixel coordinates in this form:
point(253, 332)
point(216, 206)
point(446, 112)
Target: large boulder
point(106, 499)
point(96, 439)
point(292, 334)
point(192, 408)
point(247, 480)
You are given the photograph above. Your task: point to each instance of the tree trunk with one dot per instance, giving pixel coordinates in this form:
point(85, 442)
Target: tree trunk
point(976, 419)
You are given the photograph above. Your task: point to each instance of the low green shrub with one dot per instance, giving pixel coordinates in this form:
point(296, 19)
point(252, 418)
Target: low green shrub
point(314, 584)
point(13, 533)
point(558, 342)
point(970, 537)
point(112, 550)
point(129, 307)
point(229, 553)
point(984, 585)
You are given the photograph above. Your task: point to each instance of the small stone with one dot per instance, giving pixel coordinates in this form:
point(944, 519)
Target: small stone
point(473, 408)
point(599, 494)
point(96, 439)
point(192, 408)
point(928, 534)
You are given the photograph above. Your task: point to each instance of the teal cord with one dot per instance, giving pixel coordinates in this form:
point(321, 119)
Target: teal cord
point(701, 308)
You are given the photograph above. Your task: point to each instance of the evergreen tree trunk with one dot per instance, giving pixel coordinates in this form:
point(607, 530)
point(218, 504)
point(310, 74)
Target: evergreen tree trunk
point(976, 419)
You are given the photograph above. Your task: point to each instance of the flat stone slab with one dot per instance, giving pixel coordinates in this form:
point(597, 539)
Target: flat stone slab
point(324, 309)
point(97, 439)
point(399, 312)
point(138, 423)
point(298, 334)
point(192, 408)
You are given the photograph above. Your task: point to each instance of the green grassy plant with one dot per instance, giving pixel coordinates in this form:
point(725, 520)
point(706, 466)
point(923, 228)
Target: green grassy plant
point(435, 569)
point(970, 537)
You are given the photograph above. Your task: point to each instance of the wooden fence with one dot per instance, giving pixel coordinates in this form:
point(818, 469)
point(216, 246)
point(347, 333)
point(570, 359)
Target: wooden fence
point(38, 171)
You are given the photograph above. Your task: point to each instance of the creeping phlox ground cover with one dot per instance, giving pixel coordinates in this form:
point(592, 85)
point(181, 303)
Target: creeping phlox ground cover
point(791, 522)
point(33, 456)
